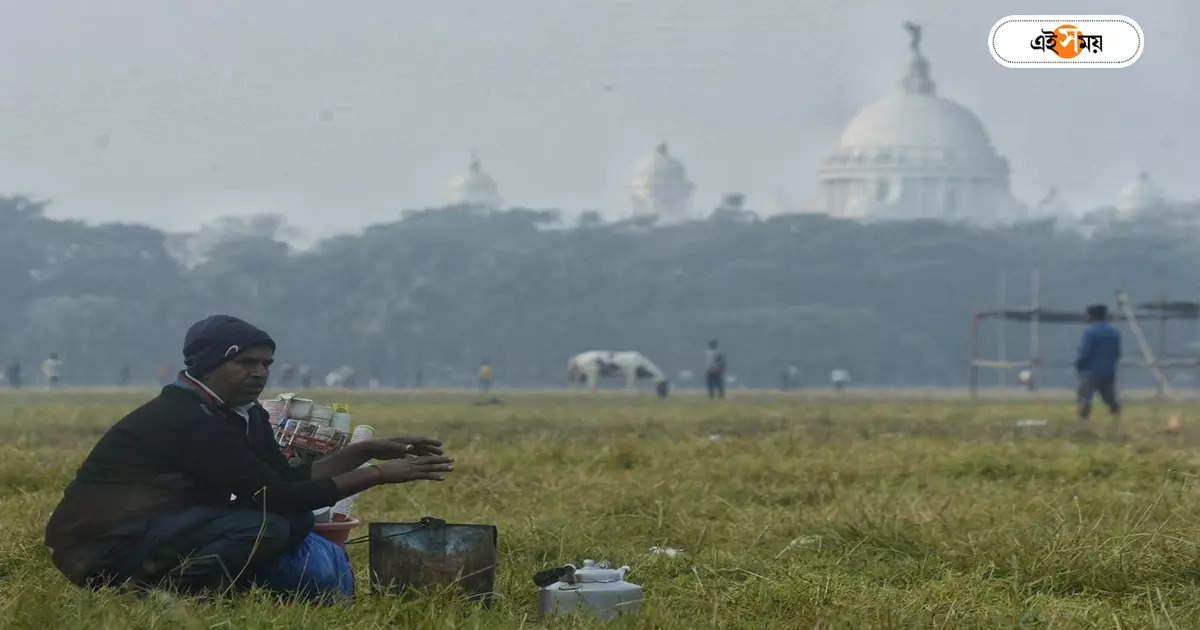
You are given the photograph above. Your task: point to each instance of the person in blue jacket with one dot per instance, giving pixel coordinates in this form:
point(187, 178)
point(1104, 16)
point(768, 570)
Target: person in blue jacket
point(1099, 353)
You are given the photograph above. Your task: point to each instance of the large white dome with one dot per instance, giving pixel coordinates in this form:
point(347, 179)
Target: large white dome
point(914, 154)
point(924, 121)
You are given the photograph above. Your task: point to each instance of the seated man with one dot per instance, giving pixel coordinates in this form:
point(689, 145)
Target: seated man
point(191, 491)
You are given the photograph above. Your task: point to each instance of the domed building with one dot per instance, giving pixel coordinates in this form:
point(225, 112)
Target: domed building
point(476, 188)
point(915, 154)
point(661, 187)
point(1139, 196)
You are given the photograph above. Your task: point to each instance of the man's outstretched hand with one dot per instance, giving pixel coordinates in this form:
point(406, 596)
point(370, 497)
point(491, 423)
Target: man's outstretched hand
point(401, 446)
point(429, 468)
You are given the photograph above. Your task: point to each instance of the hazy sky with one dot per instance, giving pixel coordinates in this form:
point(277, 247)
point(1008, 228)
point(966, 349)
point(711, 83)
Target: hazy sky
point(342, 114)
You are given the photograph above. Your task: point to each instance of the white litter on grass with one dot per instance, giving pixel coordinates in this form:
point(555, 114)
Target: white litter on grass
point(799, 541)
point(1031, 422)
point(714, 436)
point(669, 552)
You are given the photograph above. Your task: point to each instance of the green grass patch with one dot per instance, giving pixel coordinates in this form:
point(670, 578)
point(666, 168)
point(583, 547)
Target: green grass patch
point(792, 512)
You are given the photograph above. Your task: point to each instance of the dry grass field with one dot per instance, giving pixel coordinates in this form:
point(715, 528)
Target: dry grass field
point(791, 511)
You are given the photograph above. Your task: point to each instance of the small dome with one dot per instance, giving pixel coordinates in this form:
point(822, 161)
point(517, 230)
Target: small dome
point(1139, 195)
point(661, 186)
point(476, 188)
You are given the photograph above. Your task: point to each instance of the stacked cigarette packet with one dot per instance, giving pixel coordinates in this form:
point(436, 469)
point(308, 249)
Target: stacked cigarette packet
point(305, 429)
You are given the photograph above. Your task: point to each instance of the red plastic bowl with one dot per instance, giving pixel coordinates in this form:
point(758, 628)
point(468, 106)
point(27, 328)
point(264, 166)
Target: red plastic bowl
point(336, 531)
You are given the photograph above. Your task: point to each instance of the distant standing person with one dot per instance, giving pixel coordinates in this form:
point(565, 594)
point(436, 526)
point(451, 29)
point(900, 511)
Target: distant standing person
point(840, 377)
point(13, 371)
point(123, 375)
point(485, 375)
point(1099, 353)
point(789, 377)
point(52, 370)
point(714, 370)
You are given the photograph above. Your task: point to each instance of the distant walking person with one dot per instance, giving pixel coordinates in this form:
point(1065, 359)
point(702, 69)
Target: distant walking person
point(714, 370)
point(52, 370)
point(1099, 353)
point(485, 375)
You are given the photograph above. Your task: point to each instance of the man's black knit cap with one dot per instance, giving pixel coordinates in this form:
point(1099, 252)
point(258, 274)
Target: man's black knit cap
point(217, 339)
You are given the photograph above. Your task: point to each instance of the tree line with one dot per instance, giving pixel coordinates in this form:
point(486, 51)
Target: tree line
point(423, 299)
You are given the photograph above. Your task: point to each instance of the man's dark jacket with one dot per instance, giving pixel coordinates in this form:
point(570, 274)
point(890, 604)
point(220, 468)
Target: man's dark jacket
point(181, 449)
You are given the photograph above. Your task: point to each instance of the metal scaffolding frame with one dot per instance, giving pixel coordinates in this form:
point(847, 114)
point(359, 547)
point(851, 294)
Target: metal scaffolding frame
point(1157, 363)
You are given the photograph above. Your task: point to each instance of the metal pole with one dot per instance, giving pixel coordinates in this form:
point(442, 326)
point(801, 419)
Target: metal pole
point(1164, 387)
point(1035, 341)
point(973, 342)
point(1001, 341)
point(1162, 328)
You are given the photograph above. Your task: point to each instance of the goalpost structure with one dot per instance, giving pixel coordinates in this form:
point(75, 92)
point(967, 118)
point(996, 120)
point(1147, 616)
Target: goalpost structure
point(1155, 360)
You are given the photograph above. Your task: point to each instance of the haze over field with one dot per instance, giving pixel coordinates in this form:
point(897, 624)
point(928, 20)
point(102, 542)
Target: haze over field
point(173, 113)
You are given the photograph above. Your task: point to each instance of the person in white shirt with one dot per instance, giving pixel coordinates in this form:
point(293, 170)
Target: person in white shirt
point(714, 370)
point(52, 370)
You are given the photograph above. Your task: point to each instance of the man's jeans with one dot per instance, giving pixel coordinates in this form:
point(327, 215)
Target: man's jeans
point(205, 549)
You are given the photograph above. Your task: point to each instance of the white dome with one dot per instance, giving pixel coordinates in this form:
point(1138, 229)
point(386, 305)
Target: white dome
point(919, 121)
point(914, 154)
point(476, 188)
point(1139, 195)
point(661, 186)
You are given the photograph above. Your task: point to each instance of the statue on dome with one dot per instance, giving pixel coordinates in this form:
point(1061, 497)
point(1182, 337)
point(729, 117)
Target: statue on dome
point(917, 80)
point(914, 34)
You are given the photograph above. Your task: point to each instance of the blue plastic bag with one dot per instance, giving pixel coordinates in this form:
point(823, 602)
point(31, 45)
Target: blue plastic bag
point(317, 569)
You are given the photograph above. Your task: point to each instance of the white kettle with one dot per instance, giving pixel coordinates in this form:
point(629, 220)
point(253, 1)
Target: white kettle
point(594, 587)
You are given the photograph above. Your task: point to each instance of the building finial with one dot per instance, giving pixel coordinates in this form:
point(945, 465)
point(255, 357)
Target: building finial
point(917, 81)
point(914, 35)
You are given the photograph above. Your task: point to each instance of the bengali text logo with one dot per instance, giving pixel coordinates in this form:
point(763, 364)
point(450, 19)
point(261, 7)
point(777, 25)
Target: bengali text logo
point(1060, 41)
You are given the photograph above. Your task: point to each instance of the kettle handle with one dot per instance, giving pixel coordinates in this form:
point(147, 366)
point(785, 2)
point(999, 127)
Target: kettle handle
point(549, 576)
point(625, 571)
